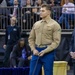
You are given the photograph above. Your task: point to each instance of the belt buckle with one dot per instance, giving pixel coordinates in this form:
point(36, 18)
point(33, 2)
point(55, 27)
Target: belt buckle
point(41, 46)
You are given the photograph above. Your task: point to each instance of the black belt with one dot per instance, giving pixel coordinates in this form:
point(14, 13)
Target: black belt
point(41, 46)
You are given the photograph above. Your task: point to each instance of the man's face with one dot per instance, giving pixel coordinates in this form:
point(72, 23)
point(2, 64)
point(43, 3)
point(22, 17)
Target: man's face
point(44, 12)
point(13, 21)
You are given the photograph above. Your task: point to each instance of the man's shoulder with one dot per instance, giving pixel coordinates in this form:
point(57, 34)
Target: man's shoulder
point(17, 27)
point(38, 21)
point(8, 27)
point(55, 23)
point(37, 24)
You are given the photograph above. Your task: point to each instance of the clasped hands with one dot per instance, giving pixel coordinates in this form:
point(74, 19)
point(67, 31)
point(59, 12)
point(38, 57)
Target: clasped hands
point(36, 52)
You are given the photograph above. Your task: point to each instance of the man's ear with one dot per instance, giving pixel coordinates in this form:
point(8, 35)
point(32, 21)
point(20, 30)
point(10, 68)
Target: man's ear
point(49, 12)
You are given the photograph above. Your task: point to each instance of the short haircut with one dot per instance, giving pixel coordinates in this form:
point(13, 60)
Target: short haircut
point(47, 6)
point(14, 18)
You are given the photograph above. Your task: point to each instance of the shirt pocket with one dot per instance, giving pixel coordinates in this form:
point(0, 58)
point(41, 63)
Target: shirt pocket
point(48, 30)
point(37, 29)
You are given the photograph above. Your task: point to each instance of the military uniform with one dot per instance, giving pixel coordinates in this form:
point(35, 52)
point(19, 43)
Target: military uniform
point(11, 38)
point(45, 35)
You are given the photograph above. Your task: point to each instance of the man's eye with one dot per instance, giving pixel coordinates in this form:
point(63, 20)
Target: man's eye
point(42, 11)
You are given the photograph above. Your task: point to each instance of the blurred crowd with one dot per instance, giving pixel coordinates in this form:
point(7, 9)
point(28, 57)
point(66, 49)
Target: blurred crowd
point(27, 11)
point(23, 3)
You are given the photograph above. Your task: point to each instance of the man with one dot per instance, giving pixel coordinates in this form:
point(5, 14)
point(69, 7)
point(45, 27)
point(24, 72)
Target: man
point(72, 49)
point(12, 36)
point(44, 38)
point(68, 12)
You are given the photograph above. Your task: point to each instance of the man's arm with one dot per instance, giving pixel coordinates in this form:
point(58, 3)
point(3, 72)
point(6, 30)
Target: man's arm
point(56, 39)
point(31, 39)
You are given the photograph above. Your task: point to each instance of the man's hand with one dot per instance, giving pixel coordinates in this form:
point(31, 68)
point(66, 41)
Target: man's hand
point(4, 46)
point(29, 58)
point(72, 54)
point(35, 52)
point(41, 53)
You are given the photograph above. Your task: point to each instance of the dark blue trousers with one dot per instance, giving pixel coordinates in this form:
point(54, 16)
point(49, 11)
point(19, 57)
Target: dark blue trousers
point(46, 61)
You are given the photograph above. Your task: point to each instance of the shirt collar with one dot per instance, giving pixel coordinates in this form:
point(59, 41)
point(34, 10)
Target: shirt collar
point(47, 19)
